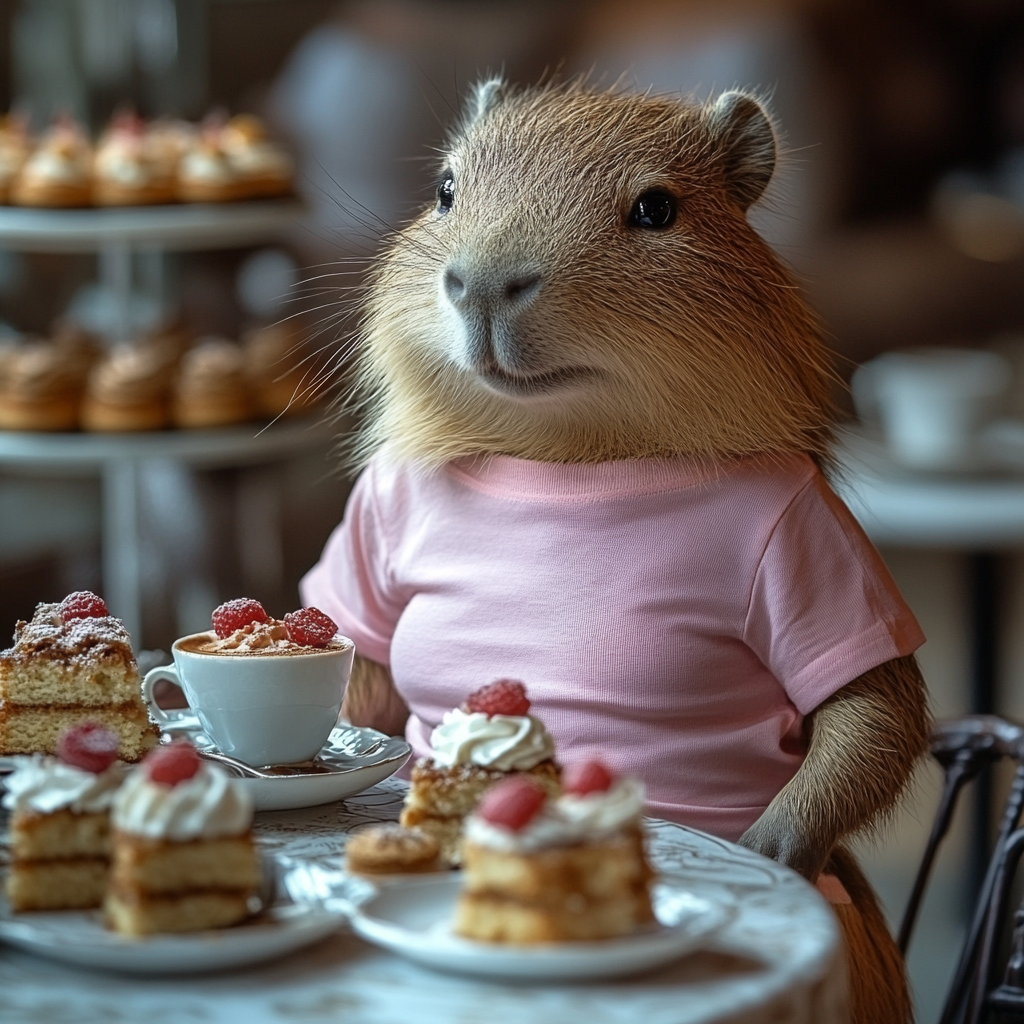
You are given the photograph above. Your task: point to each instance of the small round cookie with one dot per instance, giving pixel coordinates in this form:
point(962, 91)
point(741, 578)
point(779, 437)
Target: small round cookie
point(391, 850)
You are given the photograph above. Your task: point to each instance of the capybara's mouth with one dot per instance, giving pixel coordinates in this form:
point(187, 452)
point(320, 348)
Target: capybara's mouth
point(533, 384)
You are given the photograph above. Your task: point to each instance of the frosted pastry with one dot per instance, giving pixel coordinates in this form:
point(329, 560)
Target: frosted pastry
point(263, 168)
point(279, 381)
point(128, 170)
point(573, 869)
point(211, 389)
point(58, 173)
point(183, 852)
point(60, 822)
point(474, 749)
point(129, 390)
point(15, 146)
point(72, 663)
point(40, 389)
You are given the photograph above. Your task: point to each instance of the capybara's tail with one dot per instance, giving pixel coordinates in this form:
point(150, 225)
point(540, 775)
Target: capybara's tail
point(879, 993)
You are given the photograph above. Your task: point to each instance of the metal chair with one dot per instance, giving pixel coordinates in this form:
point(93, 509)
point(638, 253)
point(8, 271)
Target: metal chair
point(966, 747)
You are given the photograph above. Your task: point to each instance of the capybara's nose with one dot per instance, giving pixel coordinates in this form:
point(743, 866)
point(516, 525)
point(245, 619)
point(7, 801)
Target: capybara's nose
point(489, 292)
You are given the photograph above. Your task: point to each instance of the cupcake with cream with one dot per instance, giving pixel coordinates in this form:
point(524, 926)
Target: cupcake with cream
point(490, 738)
point(571, 869)
point(206, 173)
point(263, 168)
point(59, 171)
point(211, 389)
point(41, 388)
point(60, 821)
point(129, 390)
point(128, 170)
point(183, 852)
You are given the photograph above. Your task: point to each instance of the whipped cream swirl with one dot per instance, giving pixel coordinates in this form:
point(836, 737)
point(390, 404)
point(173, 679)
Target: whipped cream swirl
point(510, 743)
point(207, 806)
point(44, 785)
point(569, 820)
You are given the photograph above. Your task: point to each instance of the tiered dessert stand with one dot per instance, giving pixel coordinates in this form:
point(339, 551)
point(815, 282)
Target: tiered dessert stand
point(116, 235)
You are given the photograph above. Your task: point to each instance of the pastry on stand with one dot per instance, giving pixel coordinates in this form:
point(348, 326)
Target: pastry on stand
point(128, 170)
point(59, 836)
point(40, 388)
point(263, 167)
point(59, 172)
point(15, 146)
point(206, 174)
point(211, 389)
point(183, 853)
point(280, 382)
point(129, 390)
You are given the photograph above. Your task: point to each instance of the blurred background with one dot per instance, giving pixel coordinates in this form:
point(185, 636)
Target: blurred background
point(899, 203)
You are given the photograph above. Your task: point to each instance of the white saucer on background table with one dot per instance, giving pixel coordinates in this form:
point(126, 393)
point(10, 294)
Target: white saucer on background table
point(79, 937)
point(352, 759)
point(413, 918)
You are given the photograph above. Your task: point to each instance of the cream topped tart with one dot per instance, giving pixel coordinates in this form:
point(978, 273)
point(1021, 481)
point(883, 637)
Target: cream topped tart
point(571, 869)
point(490, 738)
point(60, 821)
point(183, 852)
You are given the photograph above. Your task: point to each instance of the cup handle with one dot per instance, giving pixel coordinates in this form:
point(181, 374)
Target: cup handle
point(169, 721)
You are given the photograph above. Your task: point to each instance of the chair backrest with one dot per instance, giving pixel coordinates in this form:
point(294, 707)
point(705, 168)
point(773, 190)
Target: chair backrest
point(964, 748)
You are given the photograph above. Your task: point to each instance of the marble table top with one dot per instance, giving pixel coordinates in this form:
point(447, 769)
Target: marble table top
point(780, 960)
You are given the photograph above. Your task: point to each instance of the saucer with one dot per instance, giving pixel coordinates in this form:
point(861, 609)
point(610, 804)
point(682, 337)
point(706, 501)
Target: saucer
point(352, 759)
point(413, 918)
point(79, 936)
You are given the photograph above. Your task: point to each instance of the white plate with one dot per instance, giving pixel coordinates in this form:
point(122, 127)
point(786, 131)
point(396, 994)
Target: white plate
point(79, 937)
point(413, 918)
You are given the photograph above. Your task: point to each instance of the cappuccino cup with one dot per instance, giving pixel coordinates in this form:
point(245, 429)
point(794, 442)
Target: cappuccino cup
point(263, 709)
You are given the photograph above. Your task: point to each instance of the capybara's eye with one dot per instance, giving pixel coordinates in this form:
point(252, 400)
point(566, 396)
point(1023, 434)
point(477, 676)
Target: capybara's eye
point(445, 192)
point(654, 209)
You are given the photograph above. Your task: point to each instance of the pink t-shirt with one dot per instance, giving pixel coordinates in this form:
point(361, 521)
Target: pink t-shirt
point(677, 623)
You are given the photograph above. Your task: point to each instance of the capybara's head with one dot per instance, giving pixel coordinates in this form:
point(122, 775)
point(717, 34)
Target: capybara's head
point(586, 287)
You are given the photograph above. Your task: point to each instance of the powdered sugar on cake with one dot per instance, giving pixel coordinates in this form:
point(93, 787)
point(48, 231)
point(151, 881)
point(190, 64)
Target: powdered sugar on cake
point(505, 742)
point(49, 634)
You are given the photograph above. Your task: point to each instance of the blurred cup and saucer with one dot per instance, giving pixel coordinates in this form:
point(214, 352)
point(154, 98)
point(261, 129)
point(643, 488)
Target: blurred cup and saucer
point(933, 405)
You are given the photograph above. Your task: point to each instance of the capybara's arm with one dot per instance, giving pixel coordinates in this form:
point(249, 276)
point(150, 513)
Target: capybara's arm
point(372, 700)
point(864, 742)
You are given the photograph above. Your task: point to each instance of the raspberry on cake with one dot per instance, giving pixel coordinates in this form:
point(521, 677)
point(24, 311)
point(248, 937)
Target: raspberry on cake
point(554, 871)
point(183, 852)
point(73, 662)
point(492, 739)
point(60, 822)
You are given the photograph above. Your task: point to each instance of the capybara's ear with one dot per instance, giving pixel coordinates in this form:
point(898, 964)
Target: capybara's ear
point(483, 98)
point(746, 143)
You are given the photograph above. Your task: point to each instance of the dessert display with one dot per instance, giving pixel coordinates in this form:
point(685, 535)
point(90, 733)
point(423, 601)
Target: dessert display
point(263, 169)
point(129, 170)
point(273, 357)
point(211, 388)
point(40, 388)
point(72, 663)
point(14, 149)
point(138, 164)
point(60, 822)
point(491, 738)
point(572, 869)
point(129, 390)
point(183, 854)
point(242, 626)
point(392, 850)
point(58, 173)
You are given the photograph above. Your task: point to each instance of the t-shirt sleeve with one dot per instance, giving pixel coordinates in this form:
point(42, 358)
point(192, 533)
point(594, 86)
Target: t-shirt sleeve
point(823, 607)
point(353, 582)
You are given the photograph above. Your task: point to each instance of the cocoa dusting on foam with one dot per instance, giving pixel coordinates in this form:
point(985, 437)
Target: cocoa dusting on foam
point(78, 640)
point(270, 637)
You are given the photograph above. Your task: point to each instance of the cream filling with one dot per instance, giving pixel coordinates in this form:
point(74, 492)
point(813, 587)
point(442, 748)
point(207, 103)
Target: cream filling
point(506, 742)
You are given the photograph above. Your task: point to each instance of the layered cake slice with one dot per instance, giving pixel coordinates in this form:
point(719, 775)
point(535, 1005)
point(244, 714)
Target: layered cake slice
point(183, 853)
point(572, 869)
point(73, 662)
point(60, 822)
point(491, 737)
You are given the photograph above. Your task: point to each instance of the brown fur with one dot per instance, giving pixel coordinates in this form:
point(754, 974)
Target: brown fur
point(690, 341)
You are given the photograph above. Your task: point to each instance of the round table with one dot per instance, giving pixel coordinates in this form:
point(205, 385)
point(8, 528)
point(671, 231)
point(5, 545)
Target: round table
point(780, 959)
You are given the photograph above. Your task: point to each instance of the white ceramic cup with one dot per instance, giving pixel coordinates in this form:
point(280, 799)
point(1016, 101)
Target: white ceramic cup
point(263, 709)
point(931, 402)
